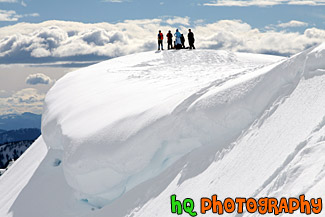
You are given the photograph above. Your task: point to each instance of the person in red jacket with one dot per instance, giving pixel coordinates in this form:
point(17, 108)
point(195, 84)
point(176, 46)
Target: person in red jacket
point(160, 40)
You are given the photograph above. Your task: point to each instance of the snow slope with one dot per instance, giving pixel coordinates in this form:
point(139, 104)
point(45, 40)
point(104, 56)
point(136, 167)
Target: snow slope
point(18, 176)
point(140, 122)
point(125, 134)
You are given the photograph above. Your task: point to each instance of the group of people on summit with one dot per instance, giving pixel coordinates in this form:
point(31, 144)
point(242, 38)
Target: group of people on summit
point(179, 42)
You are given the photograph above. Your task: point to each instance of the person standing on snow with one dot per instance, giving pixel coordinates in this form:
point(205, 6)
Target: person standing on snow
point(160, 40)
point(170, 40)
point(183, 41)
point(178, 43)
point(191, 39)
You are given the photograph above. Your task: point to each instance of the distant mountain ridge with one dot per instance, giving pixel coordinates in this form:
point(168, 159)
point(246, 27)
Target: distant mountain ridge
point(18, 121)
point(19, 135)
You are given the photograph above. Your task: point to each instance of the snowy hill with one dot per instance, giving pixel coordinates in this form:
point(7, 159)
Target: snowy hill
point(120, 137)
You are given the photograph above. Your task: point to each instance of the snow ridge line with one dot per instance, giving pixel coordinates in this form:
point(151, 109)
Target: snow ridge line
point(301, 147)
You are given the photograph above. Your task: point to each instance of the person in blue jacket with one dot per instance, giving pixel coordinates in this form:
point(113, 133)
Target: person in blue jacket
point(178, 44)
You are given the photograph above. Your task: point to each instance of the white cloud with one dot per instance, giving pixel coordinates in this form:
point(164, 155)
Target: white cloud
point(229, 3)
point(262, 3)
point(31, 15)
point(25, 100)
point(314, 33)
point(293, 23)
point(9, 1)
point(40, 52)
point(199, 21)
point(13, 16)
point(238, 36)
point(9, 15)
point(38, 78)
point(301, 2)
point(178, 20)
point(54, 41)
point(287, 26)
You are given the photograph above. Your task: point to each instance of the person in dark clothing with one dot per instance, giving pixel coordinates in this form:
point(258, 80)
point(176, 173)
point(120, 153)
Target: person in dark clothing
point(183, 41)
point(160, 40)
point(170, 40)
point(191, 39)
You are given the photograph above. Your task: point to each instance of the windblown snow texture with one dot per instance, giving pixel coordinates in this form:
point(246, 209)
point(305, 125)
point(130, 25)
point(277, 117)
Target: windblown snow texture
point(125, 134)
point(149, 111)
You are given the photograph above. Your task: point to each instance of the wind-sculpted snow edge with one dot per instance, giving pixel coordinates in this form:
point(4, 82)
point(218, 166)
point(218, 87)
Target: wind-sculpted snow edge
point(214, 116)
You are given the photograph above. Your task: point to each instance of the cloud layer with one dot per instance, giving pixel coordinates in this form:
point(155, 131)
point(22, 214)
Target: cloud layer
point(38, 78)
point(28, 99)
point(53, 41)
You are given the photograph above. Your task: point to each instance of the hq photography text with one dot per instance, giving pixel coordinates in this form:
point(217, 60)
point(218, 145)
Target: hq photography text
point(251, 205)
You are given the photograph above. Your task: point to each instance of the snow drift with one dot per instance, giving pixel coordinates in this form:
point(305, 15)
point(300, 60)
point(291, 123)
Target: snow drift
point(127, 133)
point(140, 122)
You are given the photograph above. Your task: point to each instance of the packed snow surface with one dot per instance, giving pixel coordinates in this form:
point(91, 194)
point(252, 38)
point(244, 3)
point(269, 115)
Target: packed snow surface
point(125, 134)
point(124, 121)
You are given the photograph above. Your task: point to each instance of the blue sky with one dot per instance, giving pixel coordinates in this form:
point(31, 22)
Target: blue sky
point(89, 11)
